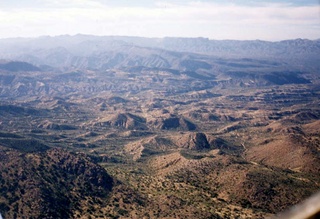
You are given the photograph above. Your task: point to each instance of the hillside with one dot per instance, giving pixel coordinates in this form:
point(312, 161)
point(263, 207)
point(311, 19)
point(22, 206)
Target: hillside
point(50, 184)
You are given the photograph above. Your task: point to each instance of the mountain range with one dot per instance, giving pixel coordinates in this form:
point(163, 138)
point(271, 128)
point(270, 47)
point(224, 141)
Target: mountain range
point(133, 127)
point(85, 51)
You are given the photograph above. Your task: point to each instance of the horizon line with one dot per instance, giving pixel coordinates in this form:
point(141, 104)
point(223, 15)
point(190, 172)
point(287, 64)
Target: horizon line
point(147, 37)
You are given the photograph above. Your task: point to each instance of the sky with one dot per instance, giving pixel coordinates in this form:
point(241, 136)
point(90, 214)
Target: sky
point(215, 19)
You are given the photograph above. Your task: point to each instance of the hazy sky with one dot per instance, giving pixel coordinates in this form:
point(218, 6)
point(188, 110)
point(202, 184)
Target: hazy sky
point(215, 19)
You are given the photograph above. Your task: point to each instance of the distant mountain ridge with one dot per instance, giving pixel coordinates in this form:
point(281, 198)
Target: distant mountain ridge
point(183, 64)
point(14, 66)
point(81, 50)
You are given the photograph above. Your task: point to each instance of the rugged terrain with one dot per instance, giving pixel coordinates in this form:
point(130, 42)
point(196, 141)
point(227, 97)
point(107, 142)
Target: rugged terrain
point(120, 127)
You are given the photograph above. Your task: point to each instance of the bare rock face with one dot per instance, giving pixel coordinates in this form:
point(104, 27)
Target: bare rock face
point(126, 121)
point(55, 126)
point(193, 141)
point(173, 123)
point(200, 141)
